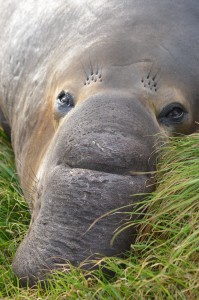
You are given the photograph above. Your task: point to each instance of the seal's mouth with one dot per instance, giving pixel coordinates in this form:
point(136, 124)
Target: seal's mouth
point(71, 201)
point(114, 170)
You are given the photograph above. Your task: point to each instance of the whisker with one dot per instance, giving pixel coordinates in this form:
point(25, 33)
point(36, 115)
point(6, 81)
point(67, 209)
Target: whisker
point(84, 70)
point(91, 67)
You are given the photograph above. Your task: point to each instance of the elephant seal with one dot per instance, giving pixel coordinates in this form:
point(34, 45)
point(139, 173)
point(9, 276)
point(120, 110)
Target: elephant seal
point(86, 87)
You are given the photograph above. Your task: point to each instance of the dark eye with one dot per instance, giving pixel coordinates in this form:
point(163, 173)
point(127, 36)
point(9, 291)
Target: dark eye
point(175, 114)
point(63, 104)
point(65, 98)
point(172, 114)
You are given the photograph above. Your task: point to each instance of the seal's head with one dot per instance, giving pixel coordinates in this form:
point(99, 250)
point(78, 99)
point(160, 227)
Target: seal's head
point(103, 109)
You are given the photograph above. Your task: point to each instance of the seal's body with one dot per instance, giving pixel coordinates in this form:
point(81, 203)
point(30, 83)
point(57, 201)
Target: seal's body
point(86, 87)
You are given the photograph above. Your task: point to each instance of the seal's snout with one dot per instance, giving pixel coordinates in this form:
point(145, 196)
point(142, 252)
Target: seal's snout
point(106, 134)
point(95, 149)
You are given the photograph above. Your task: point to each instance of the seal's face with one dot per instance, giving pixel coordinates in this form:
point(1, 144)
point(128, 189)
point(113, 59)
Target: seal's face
point(97, 135)
point(106, 119)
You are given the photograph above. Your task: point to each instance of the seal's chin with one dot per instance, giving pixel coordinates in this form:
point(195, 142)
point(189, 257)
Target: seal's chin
point(72, 200)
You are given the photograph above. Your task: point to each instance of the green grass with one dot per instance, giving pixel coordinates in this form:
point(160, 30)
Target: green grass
point(164, 262)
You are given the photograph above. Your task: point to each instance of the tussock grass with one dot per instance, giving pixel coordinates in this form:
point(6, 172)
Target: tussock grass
point(164, 262)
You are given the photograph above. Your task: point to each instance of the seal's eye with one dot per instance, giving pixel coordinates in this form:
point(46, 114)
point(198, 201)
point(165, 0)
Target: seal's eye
point(175, 114)
point(65, 98)
point(63, 104)
point(172, 114)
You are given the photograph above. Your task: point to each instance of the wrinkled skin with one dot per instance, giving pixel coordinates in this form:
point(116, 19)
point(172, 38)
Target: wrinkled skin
point(127, 72)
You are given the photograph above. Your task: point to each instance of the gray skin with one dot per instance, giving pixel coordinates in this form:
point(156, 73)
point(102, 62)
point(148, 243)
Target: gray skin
point(129, 72)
